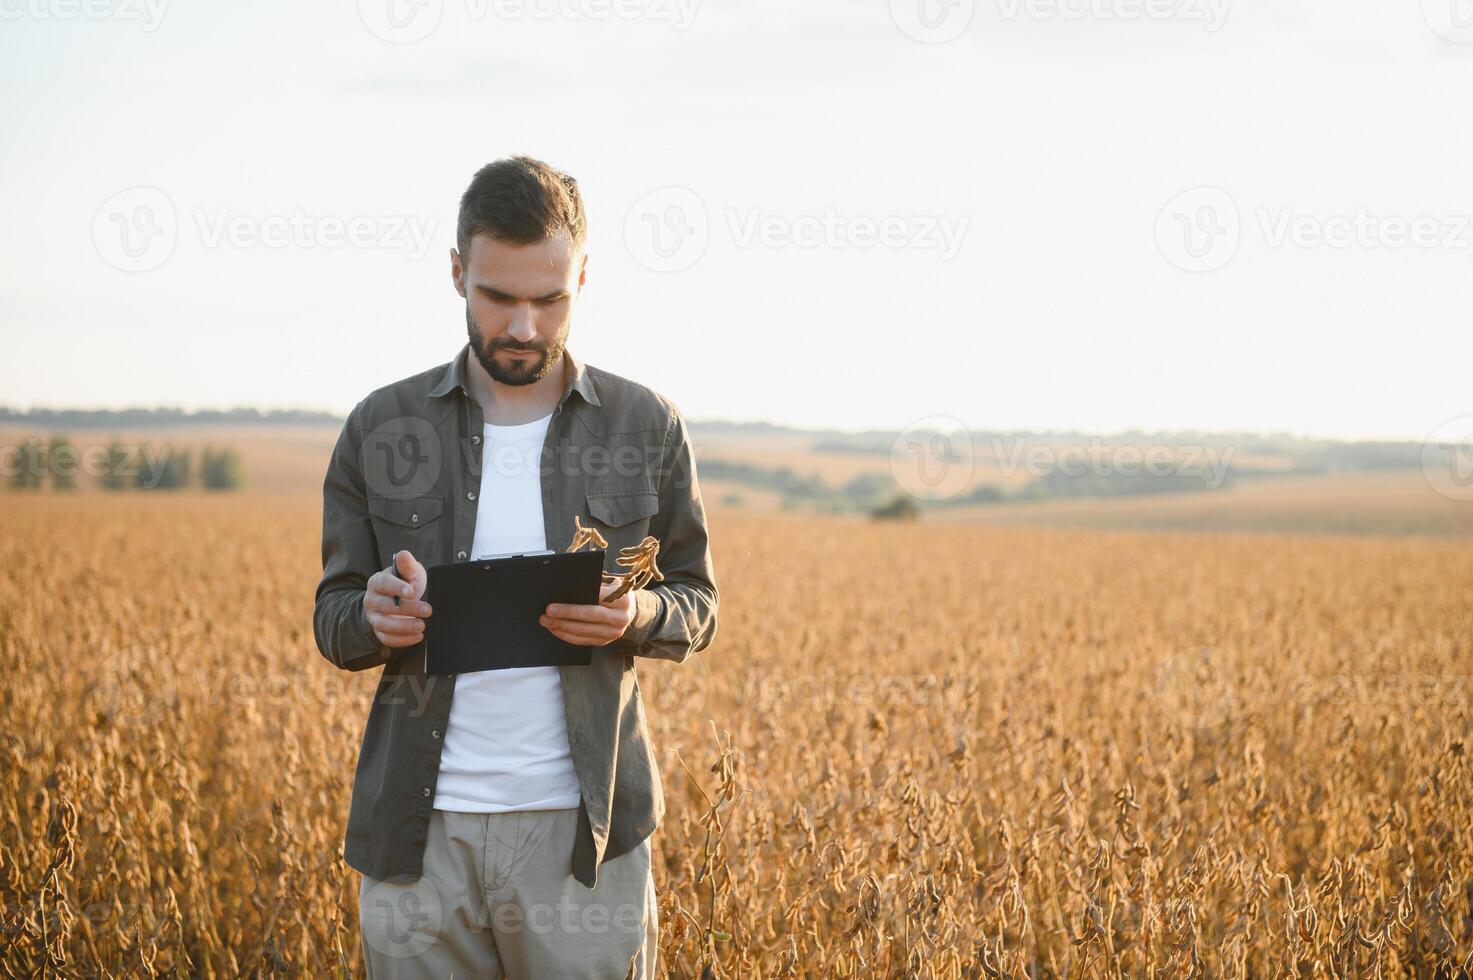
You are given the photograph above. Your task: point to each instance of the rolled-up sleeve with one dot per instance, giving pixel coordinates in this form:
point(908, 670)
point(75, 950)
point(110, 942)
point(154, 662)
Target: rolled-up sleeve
point(676, 617)
point(349, 557)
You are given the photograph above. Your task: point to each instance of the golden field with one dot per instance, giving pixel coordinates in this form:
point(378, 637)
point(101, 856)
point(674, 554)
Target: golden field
point(952, 750)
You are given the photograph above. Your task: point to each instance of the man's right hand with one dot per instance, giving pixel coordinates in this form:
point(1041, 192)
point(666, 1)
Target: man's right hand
point(393, 605)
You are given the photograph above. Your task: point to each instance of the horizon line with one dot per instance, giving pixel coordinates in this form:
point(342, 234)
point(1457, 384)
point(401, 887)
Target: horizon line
point(14, 415)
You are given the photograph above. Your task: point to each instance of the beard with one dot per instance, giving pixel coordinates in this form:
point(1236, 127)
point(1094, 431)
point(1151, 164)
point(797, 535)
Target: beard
point(517, 371)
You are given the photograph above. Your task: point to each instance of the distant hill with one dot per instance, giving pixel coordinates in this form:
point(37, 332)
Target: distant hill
point(149, 418)
point(1306, 454)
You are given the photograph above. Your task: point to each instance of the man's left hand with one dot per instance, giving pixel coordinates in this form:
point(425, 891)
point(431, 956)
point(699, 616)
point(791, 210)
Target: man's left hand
point(591, 625)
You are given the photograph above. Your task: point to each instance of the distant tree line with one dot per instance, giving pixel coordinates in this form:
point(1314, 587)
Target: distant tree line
point(879, 495)
point(145, 418)
point(34, 463)
point(864, 491)
point(1304, 456)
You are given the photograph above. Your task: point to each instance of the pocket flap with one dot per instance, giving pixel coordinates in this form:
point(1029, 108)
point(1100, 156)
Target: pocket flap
point(408, 511)
point(615, 509)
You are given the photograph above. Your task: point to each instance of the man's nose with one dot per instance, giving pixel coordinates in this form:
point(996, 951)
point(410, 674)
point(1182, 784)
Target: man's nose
point(521, 328)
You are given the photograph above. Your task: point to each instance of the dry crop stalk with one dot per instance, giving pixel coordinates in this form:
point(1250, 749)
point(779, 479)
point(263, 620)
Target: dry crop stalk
point(639, 559)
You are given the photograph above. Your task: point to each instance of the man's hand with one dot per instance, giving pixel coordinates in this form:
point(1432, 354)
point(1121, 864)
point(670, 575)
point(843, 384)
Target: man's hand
point(392, 604)
point(591, 626)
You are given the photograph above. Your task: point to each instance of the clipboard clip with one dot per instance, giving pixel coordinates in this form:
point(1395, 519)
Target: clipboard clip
point(516, 554)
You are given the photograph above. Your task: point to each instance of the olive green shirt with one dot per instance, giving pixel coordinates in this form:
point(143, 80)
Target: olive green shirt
point(404, 475)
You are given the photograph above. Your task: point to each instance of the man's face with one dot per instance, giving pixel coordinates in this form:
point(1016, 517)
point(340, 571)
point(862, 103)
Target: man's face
point(518, 303)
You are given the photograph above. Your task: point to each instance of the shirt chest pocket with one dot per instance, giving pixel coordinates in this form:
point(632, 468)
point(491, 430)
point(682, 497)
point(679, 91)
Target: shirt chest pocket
point(410, 524)
point(623, 517)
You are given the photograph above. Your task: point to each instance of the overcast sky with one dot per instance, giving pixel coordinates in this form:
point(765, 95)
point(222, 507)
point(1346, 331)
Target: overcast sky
point(1081, 214)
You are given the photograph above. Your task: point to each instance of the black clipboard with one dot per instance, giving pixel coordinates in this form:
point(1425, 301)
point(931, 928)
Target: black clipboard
point(486, 611)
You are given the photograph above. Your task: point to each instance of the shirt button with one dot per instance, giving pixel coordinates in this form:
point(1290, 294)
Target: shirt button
point(460, 556)
point(435, 733)
point(414, 518)
point(475, 440)
point(425, 791)
point(470, 495)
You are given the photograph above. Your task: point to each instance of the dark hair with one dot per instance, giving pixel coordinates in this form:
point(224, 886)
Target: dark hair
point(522, 201)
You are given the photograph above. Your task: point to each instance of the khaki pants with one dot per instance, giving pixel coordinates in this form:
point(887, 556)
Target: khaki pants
point(498, 899)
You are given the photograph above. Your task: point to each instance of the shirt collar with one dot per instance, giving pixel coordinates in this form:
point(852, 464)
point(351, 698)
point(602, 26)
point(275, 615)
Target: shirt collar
point(453, 376)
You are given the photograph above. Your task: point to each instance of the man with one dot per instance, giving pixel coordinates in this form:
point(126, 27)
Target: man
point(501, 819)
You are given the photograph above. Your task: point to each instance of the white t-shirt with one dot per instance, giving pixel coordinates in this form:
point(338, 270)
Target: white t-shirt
point(506, 744)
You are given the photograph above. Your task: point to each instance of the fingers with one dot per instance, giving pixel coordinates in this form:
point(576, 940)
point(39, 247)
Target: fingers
point(396, 631)
point(378, 602)
point(408, 566)
point(404, 579)
point(584, 625)
point(384, 583)
point(580, 613)
point(588, 636)
point(392, 609)
point(397, 625)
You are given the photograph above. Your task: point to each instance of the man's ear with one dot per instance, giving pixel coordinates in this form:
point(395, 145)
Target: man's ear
point(457, 273)
point(582, 271)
